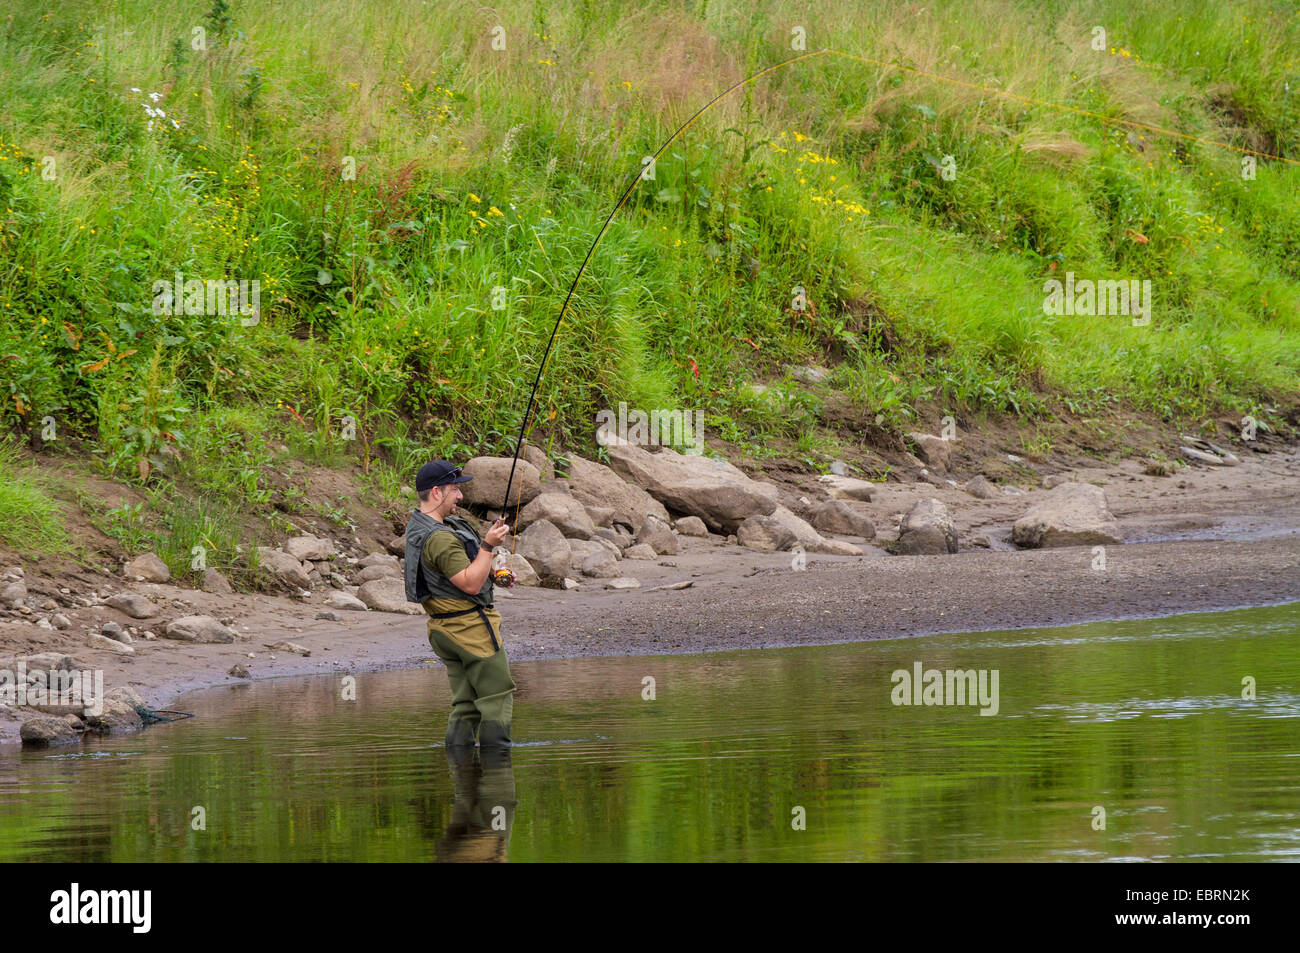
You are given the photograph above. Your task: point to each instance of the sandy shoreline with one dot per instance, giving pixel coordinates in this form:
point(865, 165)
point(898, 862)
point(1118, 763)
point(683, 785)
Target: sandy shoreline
point(1207, 539)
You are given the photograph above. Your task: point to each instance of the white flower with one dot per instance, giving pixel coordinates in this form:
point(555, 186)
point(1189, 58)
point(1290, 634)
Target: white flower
point(151, 125)
point(135, 89)
point(175, 124)
point(155, 96)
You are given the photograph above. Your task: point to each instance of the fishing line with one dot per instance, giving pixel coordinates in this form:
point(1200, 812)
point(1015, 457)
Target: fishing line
point(639, 174)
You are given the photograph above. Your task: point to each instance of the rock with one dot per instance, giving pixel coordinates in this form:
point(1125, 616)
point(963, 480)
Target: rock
point(570, 584)
point(691, 526)
point(927, 530)
point(48, 661)
point(379, 559)
point(525, 574)
point(1073, 514)
point(610, 546)
point(60, 621)
point(148, 568)
point(343, 600)
point(238, 671)
point(809, 374)
point(133, 604)
point(329, 615)
point(811, 540)
point(546, 550)
point(488, 488)
point(580, 549)
point(979, 486)
point(714, 490)
point(115, 717)
point(293, 647)
point(114, 631)
point(600, 515)
point(537, 457)
point(13, 592)
point(1202, 456)
point(74, 722)
point(46, 730)
point(836, 516)
point(199, 628)
point(215, 582)
point(766, 533)
point(621, 541)
point(97, 641)
point(397, 545)
point(379, 571)
point(283, 567)
point(387, 594)
point(623, 582)
point(566, 513)
point(596, 485)
point(935, 451)
point(639, 551)
point(600, 565)
point(125, 693)
point(846, 488)
point(1053, 480)
point(658, 535)
point(307, 547)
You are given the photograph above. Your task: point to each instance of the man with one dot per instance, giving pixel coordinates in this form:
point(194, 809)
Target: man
point(449, 572)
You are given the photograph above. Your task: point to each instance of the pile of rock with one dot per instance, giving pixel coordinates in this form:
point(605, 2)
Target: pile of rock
point(56, 715)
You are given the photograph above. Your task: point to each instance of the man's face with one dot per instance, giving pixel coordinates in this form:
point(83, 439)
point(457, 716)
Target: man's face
point(451, 496)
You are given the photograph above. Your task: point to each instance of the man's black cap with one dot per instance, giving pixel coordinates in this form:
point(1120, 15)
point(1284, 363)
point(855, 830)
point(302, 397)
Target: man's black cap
point(439, 473)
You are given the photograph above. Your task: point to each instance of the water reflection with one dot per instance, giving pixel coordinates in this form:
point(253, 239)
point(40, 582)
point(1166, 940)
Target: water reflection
point(483, 806)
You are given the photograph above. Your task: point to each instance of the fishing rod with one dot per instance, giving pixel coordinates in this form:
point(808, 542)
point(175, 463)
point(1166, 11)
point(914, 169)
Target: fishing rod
point(636, 176)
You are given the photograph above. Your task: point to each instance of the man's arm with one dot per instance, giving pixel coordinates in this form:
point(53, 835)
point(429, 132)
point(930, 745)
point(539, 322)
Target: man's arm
point(470, 579)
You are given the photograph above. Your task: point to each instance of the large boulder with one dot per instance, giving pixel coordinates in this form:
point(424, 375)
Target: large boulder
point(811, 540)
point(345, 600)
point(133, 604)
point(766, 533)
point(979, 486)
point(1073, 514)
point(836, 516)
point(379, 571)
point(927, 530)
point(199, 628)
point(691, 526)
point(600, 565)
point(306, 547)
point(658, 535)
point(567, 513)
point(283, 567)
point(147, 568)
point(388, 594)
point(846, 488)
point(935, 451)
point(546, 550)
point(215, 582)
point(116, 716)
point(597, 486)
point(44, 730)
point(714, 490)
point(488, 488)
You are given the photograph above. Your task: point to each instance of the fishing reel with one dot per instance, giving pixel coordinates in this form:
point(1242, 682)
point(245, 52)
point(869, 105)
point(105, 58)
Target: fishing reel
point(501, 573)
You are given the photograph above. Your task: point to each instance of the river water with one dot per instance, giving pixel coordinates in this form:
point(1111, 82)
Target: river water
point(1111, 741)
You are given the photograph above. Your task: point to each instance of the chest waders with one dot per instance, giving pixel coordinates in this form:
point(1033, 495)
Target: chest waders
point(482, 689)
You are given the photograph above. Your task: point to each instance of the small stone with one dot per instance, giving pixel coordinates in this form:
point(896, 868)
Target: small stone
point(133, 604)
point(147, 568)
point(623, 582)
point(329, 616)
point(639, 551)
point(691, 526)
point(238, 671)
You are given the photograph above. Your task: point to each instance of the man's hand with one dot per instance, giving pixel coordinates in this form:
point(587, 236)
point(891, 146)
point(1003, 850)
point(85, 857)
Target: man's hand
point(497, 533)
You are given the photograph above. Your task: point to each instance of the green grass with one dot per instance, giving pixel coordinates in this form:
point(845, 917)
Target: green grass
point(379, 342)
point(31, 521)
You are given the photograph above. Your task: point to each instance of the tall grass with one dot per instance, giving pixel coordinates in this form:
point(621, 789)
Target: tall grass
point(404, 310)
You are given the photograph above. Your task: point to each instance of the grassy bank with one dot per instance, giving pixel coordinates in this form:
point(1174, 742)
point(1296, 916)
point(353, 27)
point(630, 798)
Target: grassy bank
point(380, 169)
